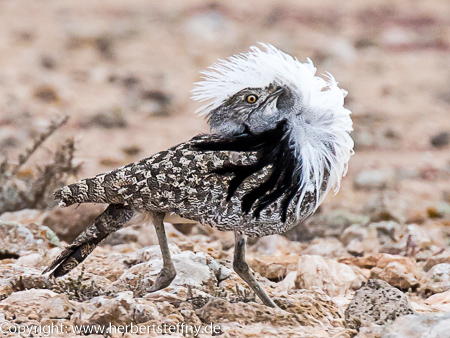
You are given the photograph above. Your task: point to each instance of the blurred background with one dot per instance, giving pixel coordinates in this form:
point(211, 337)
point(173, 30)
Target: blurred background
point(123, 72)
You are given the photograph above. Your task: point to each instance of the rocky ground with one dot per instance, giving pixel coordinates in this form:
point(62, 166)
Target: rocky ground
point(373, 262)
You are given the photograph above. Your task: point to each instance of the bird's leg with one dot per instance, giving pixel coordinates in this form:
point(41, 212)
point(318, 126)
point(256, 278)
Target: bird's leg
point(167, 273)
point(243, 270)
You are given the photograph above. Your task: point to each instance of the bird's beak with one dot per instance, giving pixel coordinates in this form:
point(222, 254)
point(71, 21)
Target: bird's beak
point(271, 107)
point(277, 92)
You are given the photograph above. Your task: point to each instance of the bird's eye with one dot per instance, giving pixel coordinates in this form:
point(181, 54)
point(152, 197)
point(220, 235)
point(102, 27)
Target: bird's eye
point(251, 98)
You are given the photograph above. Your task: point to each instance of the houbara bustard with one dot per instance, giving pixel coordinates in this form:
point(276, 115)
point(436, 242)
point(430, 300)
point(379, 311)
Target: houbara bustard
point(279, 143)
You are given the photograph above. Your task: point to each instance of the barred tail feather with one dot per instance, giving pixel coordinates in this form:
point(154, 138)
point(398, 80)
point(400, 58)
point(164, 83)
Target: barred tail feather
point(91, 190)
point(112, 219)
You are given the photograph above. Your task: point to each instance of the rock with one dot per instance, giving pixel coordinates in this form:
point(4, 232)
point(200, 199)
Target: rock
point(370, 332)
point(43, 303)
point(418, 326)
point(103, 263)
point(193, 269)
point(32, 260)
point(274, 245)
point(202, 243)
point(120, 310)
point(312, 306)
point(440, 140)
point(274, 268)
point(440, 301)
point(443, 257)
point(220, 310)
point(437, 279)
point(355, 248)
point(68, 223)
point(397, 270)
point(386, 206)
point(375, 179)
point(332, 277)
point(441, 210)
point(366, 262)
point(397, 275)
point(15, 277)
point(17, 239)
point(113, 118)
point(360, 239)
point(24, 216)
point(376, 303)
point(353, 232)
point(408, 262)
point(221, 272)
point(84, 286)
point(396, 239)
point(46, 93)
point(381, 261)
point(412, 239)
point(148, 253)
point(388, 233)
point(326, 247)
point(122, 236)
point(331, 224)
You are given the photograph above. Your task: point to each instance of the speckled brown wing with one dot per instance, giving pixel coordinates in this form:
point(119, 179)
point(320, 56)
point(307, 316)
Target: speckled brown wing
point(181, 180)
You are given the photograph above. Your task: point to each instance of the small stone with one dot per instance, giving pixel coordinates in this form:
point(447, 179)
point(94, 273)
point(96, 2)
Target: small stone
point(440, 301)
point(386, 206)
point(32, 260)
point(330, 224)
point(47, 93)
point(17, 239)
point(120, 310)
point(43, 303)
point(375, 179)
point(370, 332)
point(376, 303)
point(326, 247)
point(359, 240)
point(441, 210)
point(396, 275)
point(443, 257)
point(440, 140)
point(437, 279)
point(273, 245)
point(419, 326)
point(332, 277)
point(109, 119)
point(274, 268)
point(192, 269)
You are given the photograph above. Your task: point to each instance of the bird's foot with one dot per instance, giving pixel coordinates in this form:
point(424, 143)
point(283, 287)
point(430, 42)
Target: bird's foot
point(165, 277)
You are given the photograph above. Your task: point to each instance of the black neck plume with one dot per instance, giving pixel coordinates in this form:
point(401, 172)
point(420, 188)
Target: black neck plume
point(272, 148)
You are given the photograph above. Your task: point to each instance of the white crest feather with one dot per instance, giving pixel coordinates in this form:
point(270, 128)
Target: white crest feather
point(320, 123)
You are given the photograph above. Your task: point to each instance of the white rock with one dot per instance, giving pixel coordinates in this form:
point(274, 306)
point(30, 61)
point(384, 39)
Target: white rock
point(375, 179)
point(44, 303)
point(32, 260)
point(417, 326)
point(440, 301)
point(332, 277)
point(436, 280)
point(326, 247)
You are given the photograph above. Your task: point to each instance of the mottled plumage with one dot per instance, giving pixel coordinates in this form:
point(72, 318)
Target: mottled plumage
point(280, 142)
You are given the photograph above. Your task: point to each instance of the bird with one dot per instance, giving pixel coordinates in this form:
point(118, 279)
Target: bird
point(279, 141)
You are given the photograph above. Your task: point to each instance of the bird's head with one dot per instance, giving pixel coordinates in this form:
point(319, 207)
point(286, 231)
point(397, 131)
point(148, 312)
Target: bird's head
point(256, 90)
point(254, 109)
